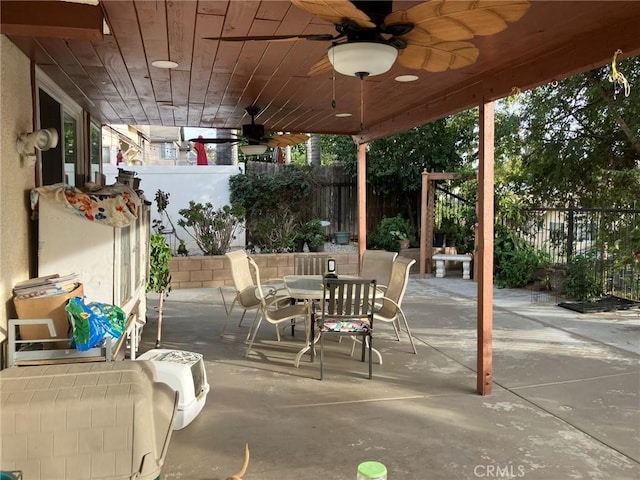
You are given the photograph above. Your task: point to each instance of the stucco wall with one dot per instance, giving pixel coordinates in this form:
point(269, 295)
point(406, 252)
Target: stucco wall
point(184, 183)
point(16, 180)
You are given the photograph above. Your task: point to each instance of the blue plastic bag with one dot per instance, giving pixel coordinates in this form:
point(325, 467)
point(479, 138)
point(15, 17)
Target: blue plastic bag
point(92, 322)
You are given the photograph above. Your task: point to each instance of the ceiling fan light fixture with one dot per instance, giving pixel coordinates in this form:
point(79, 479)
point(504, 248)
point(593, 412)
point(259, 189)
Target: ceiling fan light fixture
point(358, 59)
point(257, 149)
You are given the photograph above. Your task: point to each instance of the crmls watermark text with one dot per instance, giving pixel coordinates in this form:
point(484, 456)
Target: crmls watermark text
point(499, 471)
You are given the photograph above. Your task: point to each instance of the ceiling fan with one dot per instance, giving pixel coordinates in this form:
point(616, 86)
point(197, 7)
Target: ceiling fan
point(254, 134)
point(428, 36)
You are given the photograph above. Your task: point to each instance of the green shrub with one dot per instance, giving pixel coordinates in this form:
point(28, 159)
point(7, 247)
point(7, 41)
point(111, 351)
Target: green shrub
point(515, 263)
point(582, 281)
point(273, 234)
point(213, 229)
point(263, 197)
point(389, 233)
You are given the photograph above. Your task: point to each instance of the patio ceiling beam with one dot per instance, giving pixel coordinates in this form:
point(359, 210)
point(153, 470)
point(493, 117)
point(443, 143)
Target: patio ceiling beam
point(51, 19)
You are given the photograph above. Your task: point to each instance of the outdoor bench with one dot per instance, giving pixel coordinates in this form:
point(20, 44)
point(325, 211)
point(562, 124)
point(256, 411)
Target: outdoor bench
point(441, 259)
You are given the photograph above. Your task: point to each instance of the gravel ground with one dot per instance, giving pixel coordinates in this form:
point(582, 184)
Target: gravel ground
point(335, 248)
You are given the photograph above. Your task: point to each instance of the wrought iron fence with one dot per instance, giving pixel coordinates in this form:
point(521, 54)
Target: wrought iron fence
point(606, 240)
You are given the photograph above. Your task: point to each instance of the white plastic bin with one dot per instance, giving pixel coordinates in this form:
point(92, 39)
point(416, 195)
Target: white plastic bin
point(184, 372)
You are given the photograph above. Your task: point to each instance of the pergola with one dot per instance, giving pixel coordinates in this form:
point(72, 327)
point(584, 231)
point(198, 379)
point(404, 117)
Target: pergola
point(112, 78)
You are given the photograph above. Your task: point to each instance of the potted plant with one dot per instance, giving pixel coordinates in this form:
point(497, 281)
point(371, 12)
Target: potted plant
point(299, 240)
point(316, 242)
point(314, 235)
point(450, 228)
point(401, 237)
point(391, 232)
point(342, 238)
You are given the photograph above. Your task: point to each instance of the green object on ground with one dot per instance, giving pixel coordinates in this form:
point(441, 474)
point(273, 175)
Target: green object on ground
point(372, 470)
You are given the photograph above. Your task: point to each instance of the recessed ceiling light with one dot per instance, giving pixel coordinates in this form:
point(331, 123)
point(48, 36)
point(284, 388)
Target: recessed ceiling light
point(164, 64)
point(343, 115)
point(407, 78)
point(168, 106)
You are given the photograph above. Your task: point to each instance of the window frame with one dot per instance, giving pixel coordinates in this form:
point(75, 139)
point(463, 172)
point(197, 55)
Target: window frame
point(69, 107)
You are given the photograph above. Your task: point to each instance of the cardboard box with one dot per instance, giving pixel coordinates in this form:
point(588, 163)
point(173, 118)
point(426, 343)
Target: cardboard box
point(51, 306)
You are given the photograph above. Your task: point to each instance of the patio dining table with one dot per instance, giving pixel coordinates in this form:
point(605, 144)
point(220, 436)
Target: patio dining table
point(307, 288)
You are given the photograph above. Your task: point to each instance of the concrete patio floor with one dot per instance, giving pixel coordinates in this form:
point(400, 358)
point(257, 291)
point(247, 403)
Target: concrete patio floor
point(565, 401)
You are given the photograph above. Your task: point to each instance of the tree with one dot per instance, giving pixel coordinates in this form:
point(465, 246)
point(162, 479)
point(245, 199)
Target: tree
point(395, 164)
point(581, 141)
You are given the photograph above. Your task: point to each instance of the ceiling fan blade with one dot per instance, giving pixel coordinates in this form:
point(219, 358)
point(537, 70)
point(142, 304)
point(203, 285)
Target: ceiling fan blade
point(334, 11)
point(454, 21)
point(213, 140)
point(438, 57)
point(286, 140)
point(322, 66)
point(324, 37)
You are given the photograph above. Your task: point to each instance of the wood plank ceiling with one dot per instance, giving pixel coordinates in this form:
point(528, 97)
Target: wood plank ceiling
point(112, 77)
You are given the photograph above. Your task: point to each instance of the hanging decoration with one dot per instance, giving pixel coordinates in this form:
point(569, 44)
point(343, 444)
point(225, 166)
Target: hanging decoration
point(620, 83)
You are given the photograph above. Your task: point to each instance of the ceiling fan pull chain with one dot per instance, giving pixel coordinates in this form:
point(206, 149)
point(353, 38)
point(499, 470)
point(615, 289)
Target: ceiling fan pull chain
point(333, 83)
point(333, 86)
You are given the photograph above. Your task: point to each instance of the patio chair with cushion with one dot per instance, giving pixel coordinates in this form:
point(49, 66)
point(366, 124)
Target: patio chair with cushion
point(377, 264)
point(346, 308)
point(247, 294)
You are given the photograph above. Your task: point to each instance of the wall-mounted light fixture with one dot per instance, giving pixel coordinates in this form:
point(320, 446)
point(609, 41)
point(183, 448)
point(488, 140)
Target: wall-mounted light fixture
point(42, 140)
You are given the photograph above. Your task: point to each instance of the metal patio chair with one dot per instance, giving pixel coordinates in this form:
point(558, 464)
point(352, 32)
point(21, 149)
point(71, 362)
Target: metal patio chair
point(275, 309)
point(247, 294)
point(346, 308)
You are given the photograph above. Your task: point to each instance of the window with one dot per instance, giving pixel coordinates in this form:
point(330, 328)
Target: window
point(168, 151)
point(95, 149)
point(65, 163)
point(70, 153)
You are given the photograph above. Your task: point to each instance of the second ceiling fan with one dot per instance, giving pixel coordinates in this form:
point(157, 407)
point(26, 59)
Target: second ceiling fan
point(254, 134)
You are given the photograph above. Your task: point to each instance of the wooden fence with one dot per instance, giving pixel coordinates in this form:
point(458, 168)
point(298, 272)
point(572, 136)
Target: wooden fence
point(335, 198)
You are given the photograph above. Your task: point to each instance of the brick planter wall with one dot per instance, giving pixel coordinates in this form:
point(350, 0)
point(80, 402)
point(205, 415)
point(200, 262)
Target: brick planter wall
point(214, 271)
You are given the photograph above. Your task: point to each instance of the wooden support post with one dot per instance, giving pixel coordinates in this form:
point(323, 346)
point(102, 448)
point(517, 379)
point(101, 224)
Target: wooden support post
point(362, 200)
point(424, 224)
point(431, 206)
point(485, 252)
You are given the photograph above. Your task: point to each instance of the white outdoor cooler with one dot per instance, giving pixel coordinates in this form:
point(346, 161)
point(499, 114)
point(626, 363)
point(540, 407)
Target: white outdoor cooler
point(184, 372)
